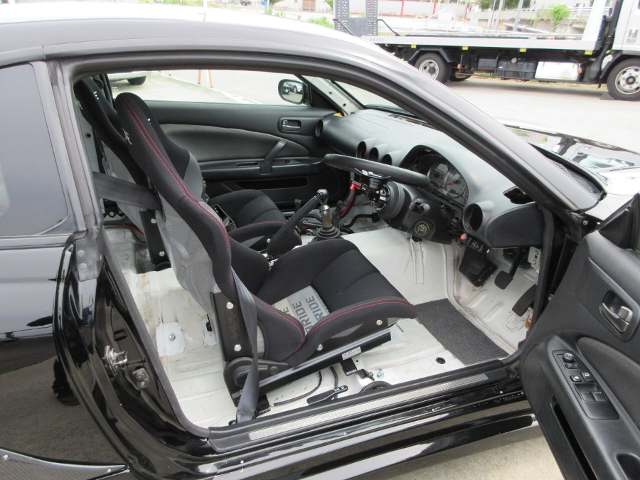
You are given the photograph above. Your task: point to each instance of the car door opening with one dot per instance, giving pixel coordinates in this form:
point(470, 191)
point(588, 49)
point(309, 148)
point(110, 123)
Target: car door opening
point(413, 236)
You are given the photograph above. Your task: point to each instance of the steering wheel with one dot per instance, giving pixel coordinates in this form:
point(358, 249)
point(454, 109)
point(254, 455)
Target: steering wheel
point(379, 170)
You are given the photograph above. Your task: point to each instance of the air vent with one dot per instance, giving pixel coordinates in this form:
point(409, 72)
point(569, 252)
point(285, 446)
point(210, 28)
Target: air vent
point(319, 128)
point(386, 159)
point(472, 218)
point(361, 150)
point(373, 155)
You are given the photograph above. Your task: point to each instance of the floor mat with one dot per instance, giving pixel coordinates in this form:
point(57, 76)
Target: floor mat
point(456, 333)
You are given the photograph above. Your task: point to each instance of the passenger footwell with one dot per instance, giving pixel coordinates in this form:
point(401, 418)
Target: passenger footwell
point(457, 334)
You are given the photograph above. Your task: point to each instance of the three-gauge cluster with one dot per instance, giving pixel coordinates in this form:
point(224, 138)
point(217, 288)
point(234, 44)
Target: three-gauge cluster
point(445, 179)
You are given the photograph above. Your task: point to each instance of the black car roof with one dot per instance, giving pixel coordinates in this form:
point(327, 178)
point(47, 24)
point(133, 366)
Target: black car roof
point(38, 31)
point(50, 31)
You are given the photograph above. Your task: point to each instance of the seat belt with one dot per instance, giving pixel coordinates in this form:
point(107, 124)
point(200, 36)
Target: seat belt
point(121, 191)
point(249, 396)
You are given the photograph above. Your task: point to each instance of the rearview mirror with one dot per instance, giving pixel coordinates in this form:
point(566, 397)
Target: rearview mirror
point(293, 91)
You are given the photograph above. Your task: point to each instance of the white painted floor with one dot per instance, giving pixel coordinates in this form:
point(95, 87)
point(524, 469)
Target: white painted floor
point(191, 356)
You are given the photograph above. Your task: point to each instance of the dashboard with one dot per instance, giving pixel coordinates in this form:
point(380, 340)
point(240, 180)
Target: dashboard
point(464, 197)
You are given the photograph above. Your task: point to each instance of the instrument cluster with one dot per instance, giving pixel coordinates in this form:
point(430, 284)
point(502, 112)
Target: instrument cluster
point(445, 180)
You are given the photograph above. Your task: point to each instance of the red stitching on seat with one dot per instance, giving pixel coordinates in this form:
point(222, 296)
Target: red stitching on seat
point(142, 129)
point(297, 325)
point(140, 126)
point(373, 303)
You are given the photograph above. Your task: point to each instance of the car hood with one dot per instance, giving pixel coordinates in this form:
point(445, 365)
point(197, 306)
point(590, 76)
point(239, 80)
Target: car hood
point(618, 168)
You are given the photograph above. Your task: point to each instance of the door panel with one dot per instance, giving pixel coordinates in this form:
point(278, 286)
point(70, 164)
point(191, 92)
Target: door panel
point(209, 144)
point(588, 405)
point(266, 147)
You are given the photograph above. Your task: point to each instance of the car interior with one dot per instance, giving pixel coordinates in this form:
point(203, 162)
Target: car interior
point(372, 248)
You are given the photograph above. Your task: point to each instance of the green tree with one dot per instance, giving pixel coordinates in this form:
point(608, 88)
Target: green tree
point(330, 3)
point(508, 4)
point(558, 14)
point(324, 21)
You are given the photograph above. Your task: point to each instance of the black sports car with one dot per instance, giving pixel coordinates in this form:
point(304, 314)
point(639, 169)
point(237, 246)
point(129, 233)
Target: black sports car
point(345, 269)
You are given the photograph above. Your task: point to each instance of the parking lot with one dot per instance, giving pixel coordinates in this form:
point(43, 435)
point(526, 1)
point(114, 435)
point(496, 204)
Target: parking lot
point(566, 108)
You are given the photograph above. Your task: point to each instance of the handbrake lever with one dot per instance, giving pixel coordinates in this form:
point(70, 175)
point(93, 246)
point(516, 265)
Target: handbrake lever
point(286, 238)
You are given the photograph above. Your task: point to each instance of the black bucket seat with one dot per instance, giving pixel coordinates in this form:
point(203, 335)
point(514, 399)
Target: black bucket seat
point(317, 303)
point(253, 212)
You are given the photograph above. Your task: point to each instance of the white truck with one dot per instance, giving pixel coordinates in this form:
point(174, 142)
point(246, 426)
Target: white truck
point(607, 52)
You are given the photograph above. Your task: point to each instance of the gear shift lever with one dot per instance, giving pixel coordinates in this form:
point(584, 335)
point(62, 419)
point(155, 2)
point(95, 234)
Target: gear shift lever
point(327, 230)
point(287, 238)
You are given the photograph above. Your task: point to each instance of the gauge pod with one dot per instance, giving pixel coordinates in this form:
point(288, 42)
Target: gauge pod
point(472, 218)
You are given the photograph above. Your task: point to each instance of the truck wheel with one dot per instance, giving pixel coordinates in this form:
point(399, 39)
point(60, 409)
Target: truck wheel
point(434, 66)
point(624, 80)
point(137, 81)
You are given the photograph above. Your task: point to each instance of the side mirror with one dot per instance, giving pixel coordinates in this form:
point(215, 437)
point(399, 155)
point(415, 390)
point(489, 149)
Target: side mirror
point(294, 91)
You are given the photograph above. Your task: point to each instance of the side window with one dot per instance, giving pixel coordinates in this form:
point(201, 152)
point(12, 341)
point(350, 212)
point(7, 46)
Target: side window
point(214, 86)
point(31, 196)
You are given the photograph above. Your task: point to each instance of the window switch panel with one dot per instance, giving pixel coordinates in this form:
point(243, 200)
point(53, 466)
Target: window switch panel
point(583, 387)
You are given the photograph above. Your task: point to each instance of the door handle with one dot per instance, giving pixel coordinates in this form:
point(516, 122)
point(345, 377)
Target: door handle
point(266, 165)
point(621, 320)
point(288, 125)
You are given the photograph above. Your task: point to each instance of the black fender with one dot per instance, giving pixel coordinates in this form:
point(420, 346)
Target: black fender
point(443, 53)
point(617, 58)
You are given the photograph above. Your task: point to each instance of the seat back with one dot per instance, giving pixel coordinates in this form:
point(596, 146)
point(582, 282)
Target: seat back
point(191, 226)
point(115, 159)
point(188, 257)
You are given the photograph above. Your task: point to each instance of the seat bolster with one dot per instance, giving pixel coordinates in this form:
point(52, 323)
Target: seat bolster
point(348, 317)
point(283, 334)
point(298, 268)
point(256, 230)
point(248, 206)
point(249, 265)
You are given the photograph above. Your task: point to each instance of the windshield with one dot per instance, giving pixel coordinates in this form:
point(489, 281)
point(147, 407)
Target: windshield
point(350, 99)
point(364, 97)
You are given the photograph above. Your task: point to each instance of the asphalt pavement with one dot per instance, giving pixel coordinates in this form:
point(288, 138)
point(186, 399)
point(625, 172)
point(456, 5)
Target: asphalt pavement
point(578, 110)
